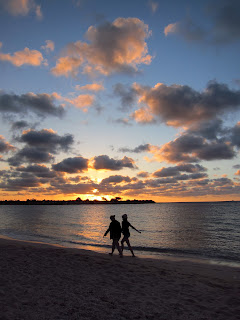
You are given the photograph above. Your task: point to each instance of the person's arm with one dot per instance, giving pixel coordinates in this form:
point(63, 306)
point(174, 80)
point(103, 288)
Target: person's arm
point(106, 232)
point(134, 228)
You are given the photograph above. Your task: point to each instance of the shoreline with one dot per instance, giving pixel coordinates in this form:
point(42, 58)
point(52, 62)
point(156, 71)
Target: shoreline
point(45, 281)
point(142, 254)
point(160, 258)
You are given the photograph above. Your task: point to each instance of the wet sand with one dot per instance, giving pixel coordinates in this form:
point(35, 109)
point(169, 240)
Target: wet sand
point(40, 281)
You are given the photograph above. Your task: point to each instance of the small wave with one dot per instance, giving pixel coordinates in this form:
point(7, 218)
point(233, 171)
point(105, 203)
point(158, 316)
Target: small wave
point(170, 251)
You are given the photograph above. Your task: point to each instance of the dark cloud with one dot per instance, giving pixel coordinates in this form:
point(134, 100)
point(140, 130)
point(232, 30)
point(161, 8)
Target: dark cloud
point(203, 182)
point(235, 135)
point(154, 183)
point(127, 94)
point(175, 171)
point(41, 104)
point(227, 21)
point(106, 163)
point(207, 140)
point(143, 174)
point(40, 145)
point(120, 188)
point(30, 155)
point(123, 121)
point(208, 129)
point(140, 148)
point(216, 151)
point(236, 166)
point(193, 184)
point(224, 24)
point(77, 179)
point(166, 172)
point(181, 149)
point(196, 176)
point(70, 188)
point(34, 178)
point(38, 170)
point(115, 179)
point(5, 146)
point(19, 125)
point(222, 182)
point(181, 105)
point(237, 82)
point(72, 165)
point(187, 29)
point(193, 148)
point(47, 140)
point(21, 183)
point(191, 168)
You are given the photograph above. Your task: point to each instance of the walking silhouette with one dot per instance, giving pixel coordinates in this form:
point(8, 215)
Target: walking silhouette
point(126, 234)
point(115, 234)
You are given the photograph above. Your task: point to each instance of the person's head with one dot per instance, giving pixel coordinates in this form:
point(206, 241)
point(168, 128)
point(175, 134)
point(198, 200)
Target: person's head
point(124, 216)
point(112, 217)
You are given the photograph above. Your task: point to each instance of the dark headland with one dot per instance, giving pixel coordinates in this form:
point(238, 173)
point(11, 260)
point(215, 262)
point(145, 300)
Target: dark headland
point(78, 201)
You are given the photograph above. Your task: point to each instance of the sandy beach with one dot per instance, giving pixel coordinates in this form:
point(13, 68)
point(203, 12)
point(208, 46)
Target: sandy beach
point(40, 281)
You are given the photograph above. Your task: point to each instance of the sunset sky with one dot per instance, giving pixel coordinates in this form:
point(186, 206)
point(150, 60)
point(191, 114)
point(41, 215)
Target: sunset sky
point(138, 99)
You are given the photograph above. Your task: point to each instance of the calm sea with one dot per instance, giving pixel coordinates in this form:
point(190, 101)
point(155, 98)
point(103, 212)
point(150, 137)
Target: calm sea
point(188, 230)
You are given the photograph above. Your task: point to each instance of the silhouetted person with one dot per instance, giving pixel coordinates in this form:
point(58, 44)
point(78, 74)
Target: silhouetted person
point(126, 234)
point(115, 234)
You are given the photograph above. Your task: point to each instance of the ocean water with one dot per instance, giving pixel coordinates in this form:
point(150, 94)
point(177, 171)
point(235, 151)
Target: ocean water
point(205, 231)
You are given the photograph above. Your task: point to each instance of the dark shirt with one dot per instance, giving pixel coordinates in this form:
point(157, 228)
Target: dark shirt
point(125, 228)
point(115, 230)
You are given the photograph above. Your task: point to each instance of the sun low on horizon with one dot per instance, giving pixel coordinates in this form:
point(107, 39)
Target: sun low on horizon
point(131, 99)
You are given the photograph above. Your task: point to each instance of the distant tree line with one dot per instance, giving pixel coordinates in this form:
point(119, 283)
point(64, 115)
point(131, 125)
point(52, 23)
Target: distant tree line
point(78, 201)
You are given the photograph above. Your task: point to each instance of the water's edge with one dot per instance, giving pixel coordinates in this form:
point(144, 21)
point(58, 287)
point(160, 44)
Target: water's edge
point(160, 254)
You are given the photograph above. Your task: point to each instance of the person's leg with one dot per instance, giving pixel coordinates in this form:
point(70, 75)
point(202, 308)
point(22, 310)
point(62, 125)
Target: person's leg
point(113, 247)
point(118, 247)
point(122, 242)
point(130, 248)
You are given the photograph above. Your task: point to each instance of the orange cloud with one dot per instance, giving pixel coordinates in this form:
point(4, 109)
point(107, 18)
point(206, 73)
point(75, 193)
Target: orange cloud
point(67, 66)
point(114, 47)
point(49, 46)
point(26, 56)
point(90, 87)
point(143, 115)
point(83, 101)
point(237, 173)
point(171, 28)
point(39, 12)
point(21, 7)
point(5, 146)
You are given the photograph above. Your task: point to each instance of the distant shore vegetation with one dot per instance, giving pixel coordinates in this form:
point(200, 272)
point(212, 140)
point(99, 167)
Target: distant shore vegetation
point(78, 201)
